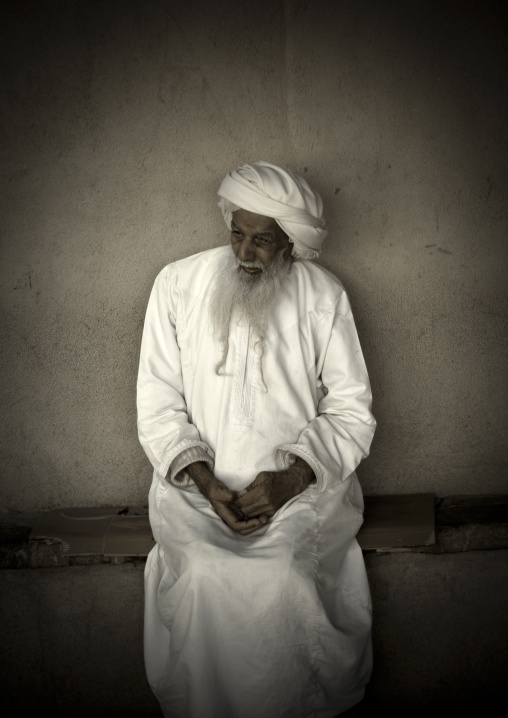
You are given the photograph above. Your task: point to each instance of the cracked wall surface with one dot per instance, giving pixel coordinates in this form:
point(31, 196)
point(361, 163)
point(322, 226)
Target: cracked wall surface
point(118, 122)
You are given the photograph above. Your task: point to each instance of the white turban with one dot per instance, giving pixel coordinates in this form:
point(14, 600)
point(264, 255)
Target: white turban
point(271, 191)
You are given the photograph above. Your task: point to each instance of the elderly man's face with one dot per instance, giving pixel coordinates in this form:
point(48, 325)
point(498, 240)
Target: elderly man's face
point(257, 239)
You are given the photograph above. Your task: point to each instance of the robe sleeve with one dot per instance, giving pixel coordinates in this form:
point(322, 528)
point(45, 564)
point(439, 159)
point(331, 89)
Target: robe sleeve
point(164, 428)
point(335, 442)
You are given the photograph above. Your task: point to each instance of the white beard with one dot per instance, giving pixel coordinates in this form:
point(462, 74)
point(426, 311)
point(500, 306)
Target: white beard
point(251, 295)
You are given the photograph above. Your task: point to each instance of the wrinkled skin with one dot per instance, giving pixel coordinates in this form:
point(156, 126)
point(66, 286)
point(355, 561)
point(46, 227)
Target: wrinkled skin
point(257, 238)
point(246, 511)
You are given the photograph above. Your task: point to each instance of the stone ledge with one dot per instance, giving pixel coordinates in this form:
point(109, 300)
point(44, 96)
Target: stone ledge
point(464, 509)
point(408, 523)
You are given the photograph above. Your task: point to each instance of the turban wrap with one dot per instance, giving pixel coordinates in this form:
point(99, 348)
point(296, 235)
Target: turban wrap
point(271, 191)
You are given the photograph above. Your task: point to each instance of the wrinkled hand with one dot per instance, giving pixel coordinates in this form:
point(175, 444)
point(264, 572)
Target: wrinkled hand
point(222, 500)
point(272, 489)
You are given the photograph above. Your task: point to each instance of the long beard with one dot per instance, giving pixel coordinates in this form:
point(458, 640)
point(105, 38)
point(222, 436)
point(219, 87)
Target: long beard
point(252, 296)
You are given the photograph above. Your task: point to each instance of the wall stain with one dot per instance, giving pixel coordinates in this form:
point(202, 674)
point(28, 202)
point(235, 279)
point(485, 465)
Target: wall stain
point(439, 249)
point(485, 204)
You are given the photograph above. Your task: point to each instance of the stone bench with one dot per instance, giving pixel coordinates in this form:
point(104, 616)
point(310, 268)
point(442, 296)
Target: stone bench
point(408, 522)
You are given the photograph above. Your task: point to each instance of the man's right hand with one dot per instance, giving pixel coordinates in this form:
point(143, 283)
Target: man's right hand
point(222, 499)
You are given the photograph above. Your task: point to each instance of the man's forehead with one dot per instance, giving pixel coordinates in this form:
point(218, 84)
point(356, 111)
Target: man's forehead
point(257, 222)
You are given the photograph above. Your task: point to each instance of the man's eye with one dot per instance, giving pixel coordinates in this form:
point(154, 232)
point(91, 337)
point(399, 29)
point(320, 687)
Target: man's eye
point(236, 232)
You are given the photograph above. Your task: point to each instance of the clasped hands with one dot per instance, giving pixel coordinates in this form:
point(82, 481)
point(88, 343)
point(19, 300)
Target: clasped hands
point(246, 511)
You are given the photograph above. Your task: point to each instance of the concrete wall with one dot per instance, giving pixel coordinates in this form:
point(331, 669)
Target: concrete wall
point(72, 637)
point(120, 118)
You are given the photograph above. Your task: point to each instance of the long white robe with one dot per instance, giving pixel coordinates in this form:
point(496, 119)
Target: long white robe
point(276, 623)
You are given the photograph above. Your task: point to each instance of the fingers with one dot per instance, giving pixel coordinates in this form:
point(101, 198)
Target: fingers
point(247, 527)
point(261, 521)
point(247, 510)
point(227, 514)
point(219, 492)
point(240, 525)
point(259, 508)
point(255, 503)
point(251, 497)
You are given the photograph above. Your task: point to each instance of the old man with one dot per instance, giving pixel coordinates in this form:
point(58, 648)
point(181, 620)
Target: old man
point(254, 409)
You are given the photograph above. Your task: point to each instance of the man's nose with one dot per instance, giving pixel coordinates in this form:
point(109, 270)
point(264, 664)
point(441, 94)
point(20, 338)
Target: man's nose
point(246, 252)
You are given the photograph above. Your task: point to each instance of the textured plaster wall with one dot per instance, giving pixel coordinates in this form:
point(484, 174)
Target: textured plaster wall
point(118, 121)
point(73, 636)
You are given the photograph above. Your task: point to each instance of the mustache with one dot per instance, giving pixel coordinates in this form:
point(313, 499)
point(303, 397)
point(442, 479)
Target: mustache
point(256, 264)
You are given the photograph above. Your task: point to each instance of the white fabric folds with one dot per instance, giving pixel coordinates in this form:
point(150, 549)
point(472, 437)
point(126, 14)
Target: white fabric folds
point(271, 625)
point(275, 624)
point(271, 191)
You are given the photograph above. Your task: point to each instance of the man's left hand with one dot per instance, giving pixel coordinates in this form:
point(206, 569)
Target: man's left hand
point(272, 489)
